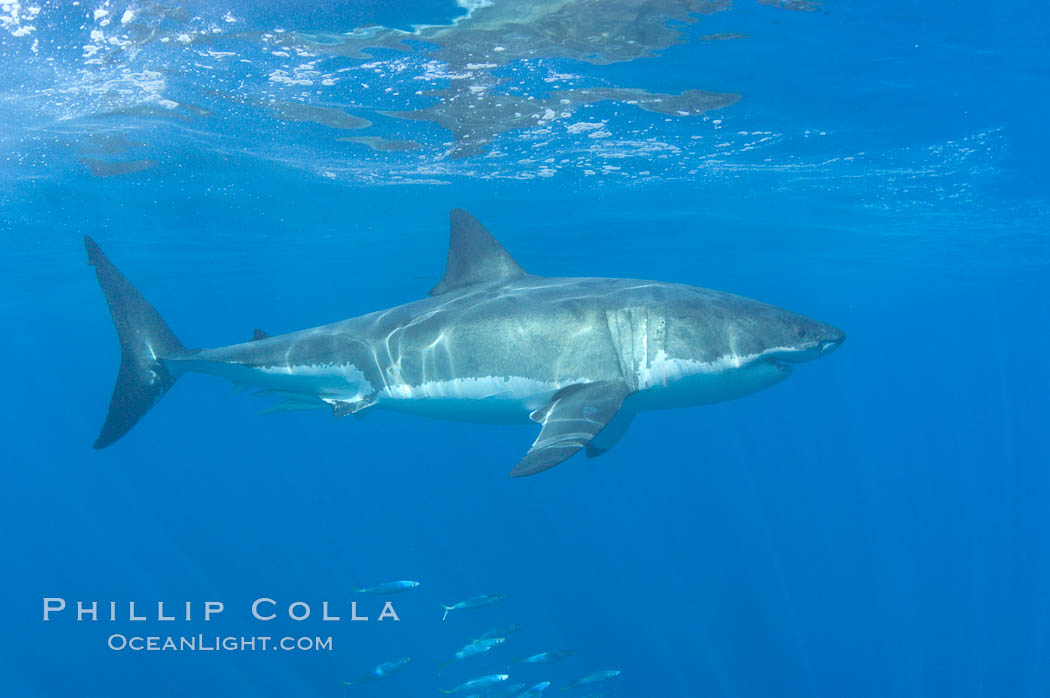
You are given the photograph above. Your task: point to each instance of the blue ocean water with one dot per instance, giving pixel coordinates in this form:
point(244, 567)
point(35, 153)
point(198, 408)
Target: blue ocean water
point(874, 526)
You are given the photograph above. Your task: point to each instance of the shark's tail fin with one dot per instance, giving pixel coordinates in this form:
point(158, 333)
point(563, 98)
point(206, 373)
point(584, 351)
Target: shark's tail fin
point(447, 609)
point(145, 341)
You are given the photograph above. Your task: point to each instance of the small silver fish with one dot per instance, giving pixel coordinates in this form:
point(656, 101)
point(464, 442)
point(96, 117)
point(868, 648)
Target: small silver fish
point(546, 657)
point(387, 668)
point(476, 647)
point(593, 677)
point(502, 631)
point(386, 588)
point(535, 690)
point(475, 602)
point(383, 671)
point(483, 682)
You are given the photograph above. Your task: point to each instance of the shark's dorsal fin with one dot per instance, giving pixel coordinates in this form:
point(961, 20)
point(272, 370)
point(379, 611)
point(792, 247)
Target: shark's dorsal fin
point(474, 256)
point(259, 334)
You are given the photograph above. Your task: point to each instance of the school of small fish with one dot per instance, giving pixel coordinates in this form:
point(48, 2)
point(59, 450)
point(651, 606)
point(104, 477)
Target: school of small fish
point(495, 685)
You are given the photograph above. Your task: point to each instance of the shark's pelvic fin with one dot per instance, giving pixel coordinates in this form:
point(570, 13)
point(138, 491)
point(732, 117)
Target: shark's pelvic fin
point(341, 408)
point(293, 405)
point(474, 256)
point(145, 341)
point(576, 415)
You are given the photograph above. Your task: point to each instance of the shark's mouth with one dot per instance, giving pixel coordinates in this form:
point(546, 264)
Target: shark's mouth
point(796, 355)
point(826, 347)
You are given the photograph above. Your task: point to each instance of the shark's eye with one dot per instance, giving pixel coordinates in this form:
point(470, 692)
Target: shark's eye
point(801, 332)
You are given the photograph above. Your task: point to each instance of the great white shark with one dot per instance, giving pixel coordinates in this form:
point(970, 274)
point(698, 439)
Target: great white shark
point(492, 343)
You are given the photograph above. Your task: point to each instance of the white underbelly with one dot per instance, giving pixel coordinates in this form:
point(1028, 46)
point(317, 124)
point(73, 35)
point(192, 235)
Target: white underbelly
point(488, 399)
point(705, 387)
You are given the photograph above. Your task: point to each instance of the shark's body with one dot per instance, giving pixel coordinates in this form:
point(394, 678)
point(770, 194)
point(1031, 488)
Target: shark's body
point(492, 344)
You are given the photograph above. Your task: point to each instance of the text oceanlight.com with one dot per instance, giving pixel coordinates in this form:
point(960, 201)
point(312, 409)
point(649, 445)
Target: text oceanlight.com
point(215, 643)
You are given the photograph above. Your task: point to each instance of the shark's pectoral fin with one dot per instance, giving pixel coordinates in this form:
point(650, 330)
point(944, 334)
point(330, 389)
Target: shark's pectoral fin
point(611, 434)
point(575, 415)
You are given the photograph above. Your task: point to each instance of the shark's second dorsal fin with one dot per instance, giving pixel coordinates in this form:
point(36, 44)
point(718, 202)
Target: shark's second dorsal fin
point(474, 256)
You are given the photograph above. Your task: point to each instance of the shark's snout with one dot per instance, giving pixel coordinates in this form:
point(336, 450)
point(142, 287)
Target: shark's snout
point(832, 343)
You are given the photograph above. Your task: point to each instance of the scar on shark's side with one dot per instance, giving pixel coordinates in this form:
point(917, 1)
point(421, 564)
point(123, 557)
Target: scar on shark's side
point(491, 344)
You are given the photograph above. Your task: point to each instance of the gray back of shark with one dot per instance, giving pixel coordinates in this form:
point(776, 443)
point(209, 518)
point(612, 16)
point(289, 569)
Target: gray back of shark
point(492, 343)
